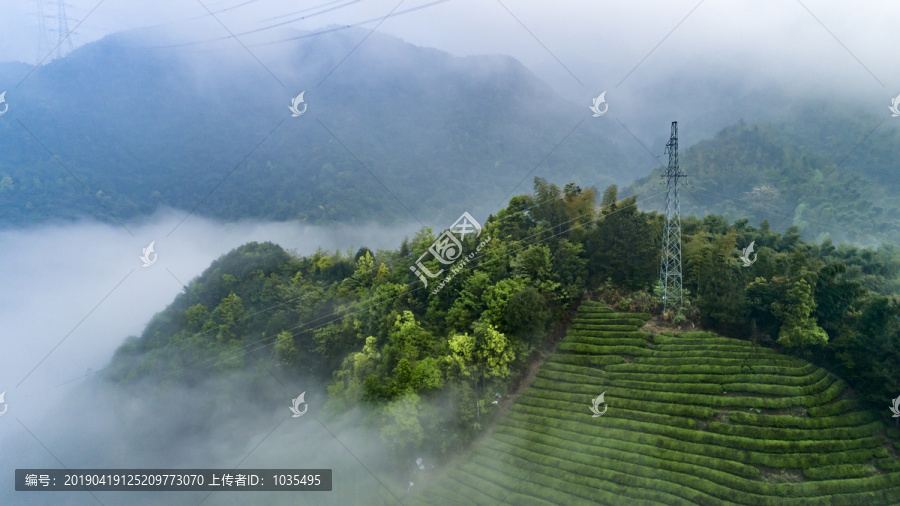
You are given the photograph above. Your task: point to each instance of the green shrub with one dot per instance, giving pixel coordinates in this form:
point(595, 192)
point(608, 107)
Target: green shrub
point(594, 310)
point(705, 340)
point(635, 334)
point(838, 472)
point(799, 422)
point(835, 408)
point(586, 360)
point(565, 377)
point(604, 327)
point(783, 390)
point(797, 434)
point(826, 396)
point(702, 369)
point(888, 464)
point(718, 378)
point(675, 398)
point(571, 368)
point(699, 352)
point(637, 322)
point(689, 388)
point(592, 376)
point(660, 360)
point(602, 341)
point(602, 350)
point(846, 486)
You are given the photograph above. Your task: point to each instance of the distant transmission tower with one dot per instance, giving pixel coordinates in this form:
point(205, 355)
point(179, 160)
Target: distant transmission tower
point(63, 30)
point(42, 43)
point(64, 42)
point(670, 262)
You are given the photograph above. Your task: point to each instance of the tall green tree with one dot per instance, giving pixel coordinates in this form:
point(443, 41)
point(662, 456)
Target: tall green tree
point(284, 349)
point(799, 327)
point(228, 316)
point(624, 246)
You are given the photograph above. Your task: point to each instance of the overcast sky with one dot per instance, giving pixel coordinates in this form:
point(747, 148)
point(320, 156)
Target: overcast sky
point(840, 47)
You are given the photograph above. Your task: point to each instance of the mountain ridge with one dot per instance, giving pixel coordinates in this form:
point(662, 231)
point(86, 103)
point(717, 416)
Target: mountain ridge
point(435, 131)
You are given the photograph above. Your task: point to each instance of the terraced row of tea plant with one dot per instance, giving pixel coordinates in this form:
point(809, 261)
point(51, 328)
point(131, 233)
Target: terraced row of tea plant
point(691, 418)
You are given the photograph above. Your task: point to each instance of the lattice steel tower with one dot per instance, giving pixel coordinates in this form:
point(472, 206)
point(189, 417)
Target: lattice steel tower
point(42, 43)
point(63, 30)
point(670, 261)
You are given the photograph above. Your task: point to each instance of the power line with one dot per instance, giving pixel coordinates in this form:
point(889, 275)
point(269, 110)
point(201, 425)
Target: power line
point(380, 18)
point(306, 35)
point(301, 11)
point(42, 43)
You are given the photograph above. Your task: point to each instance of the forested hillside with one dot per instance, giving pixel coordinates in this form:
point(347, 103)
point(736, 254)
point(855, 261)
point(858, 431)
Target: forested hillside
point(429, 362)
point(784, 174)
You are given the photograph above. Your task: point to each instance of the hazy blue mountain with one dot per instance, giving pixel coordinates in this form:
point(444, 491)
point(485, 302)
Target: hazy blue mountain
point(135, 125)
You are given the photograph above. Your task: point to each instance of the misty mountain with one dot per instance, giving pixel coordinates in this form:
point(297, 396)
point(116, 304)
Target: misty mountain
point(762, 172)
point(135, 122)
point(860, 143)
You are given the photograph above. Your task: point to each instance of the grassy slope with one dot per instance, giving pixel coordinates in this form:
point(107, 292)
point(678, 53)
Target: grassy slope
point(692, 419)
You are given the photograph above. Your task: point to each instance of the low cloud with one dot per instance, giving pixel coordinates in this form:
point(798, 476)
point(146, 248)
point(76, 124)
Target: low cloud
point(73, 292)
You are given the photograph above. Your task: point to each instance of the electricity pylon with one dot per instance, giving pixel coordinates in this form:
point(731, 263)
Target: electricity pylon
point(42, 43)
point(64, 41)
point(63, 30)
point(670, 261)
